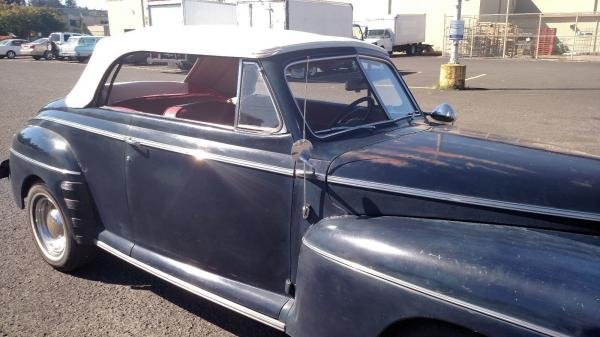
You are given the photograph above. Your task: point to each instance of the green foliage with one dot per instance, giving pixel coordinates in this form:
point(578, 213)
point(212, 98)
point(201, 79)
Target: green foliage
point(25, 20)
point(70, 3)
point(46, 3)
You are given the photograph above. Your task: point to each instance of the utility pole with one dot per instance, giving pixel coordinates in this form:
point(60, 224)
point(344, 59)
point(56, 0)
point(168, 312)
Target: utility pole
point(597, 24)
point(452, 74)
point(506, 29)
point(455, 41)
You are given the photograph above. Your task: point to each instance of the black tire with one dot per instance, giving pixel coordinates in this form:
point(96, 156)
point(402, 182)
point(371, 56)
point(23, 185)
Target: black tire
point(36, 57)
point(82, 59)
point(48, 55)
point(11, 54)
point(44, 211)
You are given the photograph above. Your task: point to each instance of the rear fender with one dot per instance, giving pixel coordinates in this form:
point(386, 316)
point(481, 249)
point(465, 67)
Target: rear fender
point(497, 280)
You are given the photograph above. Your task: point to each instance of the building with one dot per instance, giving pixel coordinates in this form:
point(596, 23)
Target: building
point(439, 12)
point(76, 19)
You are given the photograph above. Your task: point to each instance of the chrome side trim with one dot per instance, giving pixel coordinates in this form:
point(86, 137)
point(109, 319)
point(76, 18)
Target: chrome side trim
point(91, 129)
point(272, 322)
point(43, 165)
point(431, 293)
point(464, 199)
point(200, 154)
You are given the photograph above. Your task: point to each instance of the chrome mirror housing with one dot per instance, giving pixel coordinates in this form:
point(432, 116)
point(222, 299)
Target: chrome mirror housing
point(443, 113)
point(301, 151)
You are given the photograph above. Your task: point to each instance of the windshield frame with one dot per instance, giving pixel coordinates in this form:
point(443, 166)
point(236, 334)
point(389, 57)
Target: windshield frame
point(357, 57)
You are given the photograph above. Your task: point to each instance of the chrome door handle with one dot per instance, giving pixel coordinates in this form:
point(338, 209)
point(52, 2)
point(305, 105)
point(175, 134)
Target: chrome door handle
point(135, 144)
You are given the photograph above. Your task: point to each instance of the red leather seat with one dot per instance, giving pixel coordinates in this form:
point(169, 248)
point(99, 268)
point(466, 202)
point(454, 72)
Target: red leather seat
point(212, 111)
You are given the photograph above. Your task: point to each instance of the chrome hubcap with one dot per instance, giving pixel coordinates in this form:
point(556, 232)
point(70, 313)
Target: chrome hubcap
point(48, 227)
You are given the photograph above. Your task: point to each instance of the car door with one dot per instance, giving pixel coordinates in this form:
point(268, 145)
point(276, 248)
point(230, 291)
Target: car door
point(215, 197)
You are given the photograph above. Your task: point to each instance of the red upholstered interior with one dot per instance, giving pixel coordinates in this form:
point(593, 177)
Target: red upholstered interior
point(157, 104)
point(216, 112)
point(206, 107)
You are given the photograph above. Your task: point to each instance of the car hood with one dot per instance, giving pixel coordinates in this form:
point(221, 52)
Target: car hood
point(476, 170)
point(372, 40)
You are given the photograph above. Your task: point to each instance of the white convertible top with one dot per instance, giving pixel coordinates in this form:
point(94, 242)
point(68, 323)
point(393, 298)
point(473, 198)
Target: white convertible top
point(214, 40)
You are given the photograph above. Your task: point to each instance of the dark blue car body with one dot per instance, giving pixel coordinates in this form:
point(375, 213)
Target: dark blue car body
point(414, 225)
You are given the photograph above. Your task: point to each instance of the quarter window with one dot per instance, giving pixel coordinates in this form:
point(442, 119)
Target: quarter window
point(256, 109)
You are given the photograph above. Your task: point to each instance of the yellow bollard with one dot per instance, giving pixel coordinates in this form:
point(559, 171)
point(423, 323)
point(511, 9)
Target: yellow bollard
point(452, 76)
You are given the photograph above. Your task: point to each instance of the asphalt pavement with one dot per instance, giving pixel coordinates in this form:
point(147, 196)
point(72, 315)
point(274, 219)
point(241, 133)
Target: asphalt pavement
point(543, 101)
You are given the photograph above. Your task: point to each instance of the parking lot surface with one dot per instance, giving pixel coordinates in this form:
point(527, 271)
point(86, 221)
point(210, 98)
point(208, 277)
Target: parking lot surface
point(542, 101)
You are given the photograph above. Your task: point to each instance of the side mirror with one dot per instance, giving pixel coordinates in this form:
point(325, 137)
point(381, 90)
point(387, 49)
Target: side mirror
point(301, 151)
point(443, 113)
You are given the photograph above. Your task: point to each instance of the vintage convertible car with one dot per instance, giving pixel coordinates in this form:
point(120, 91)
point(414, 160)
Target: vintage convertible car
point(293, 178)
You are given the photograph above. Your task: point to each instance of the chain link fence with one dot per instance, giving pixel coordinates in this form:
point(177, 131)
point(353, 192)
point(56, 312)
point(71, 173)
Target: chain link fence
point(528, 35)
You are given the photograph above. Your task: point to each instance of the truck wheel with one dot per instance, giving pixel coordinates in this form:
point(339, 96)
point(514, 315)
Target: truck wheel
point(36, 57)
point(53, 232)
point(48, 55)
point(11, 54)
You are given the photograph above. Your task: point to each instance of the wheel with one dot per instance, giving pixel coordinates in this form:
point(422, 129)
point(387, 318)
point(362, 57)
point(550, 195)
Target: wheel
point(11, 54)
point(48, 55)
point(36, 57)
point(81, 59)
point(53, 232)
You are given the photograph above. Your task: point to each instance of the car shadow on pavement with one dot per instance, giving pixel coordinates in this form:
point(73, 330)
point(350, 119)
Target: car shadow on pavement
point(109, 269)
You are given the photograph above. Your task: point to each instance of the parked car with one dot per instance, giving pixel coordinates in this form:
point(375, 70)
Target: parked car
point(79, 47)
point(57, 39)
point(11, 48)
point(37, 49)
point(293, 178)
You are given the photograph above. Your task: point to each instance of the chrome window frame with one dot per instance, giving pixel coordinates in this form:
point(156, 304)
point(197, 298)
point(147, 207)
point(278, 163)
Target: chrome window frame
point(357, 56)
point(280, 128)
point(280, 131)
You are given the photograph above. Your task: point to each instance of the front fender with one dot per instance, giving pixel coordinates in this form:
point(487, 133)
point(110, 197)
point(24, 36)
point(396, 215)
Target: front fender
point(516, 281)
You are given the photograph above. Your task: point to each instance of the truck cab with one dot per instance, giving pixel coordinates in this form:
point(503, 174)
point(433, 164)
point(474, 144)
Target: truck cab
point(383, 38)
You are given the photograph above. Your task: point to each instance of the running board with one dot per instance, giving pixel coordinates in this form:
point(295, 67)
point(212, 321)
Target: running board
point(240, 309)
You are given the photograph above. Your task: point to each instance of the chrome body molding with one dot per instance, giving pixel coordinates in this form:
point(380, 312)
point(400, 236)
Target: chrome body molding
point(196, 153)
point(43, 165)
point(431, 293)
point(270, 321)
point(463, 199)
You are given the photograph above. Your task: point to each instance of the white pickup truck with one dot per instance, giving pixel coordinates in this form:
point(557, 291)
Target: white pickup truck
point(401, 33)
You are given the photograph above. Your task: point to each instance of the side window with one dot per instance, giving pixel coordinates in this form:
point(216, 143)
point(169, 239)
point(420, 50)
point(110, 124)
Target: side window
point(67, 36)
point(256, 109)
point(190, 87)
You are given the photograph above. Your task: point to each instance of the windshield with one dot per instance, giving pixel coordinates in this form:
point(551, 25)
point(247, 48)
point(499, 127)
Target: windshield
point(346, 93)
point(377, 33)
point(54, 37)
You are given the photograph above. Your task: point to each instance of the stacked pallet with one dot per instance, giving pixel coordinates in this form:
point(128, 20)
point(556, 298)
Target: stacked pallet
point(545, 44)
point(486, 39)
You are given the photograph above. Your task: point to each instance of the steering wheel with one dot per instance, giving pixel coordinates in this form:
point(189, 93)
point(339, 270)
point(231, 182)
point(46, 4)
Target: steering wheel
point(353, 109)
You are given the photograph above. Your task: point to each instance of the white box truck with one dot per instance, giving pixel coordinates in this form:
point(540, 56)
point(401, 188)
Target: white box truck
point(313, 16)
point(401, 33)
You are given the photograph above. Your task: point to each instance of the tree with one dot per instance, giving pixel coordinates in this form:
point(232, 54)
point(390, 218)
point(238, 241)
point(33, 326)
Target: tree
point(46, 3)
point(25, 20)
point(70, 3)
point(13, 2)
